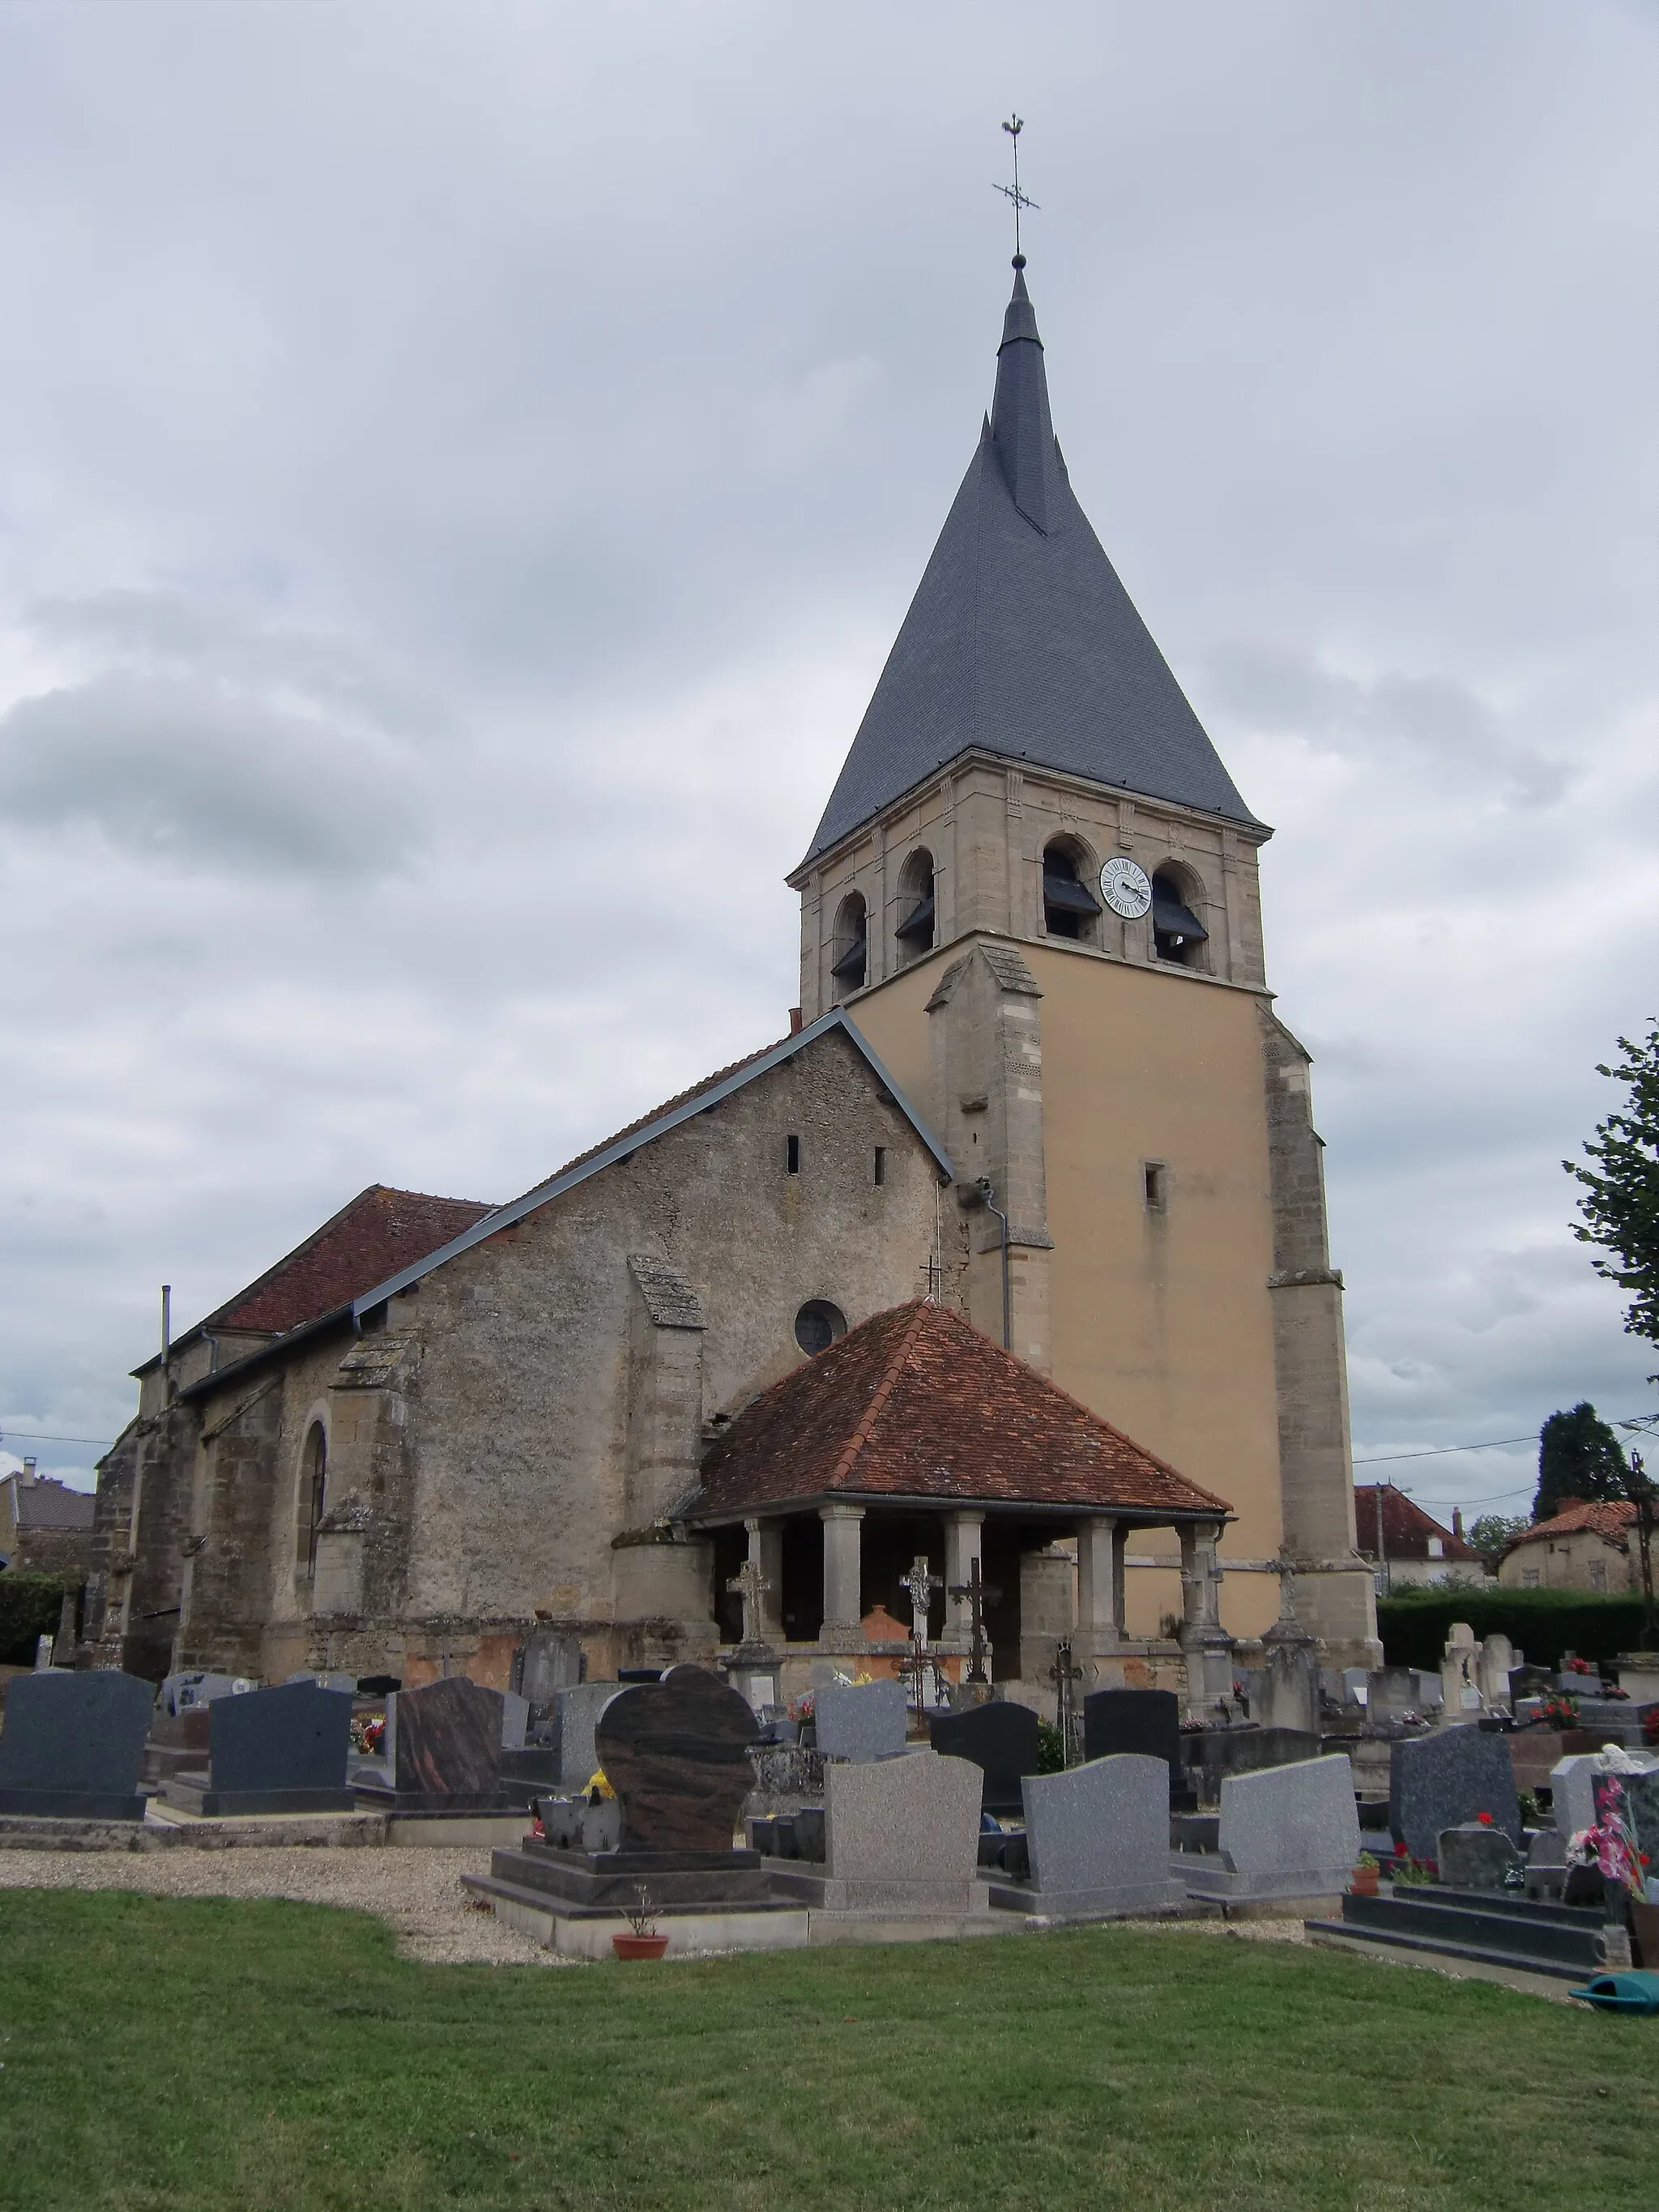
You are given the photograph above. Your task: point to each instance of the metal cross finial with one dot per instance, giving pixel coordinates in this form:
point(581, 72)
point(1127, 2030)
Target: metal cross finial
point(1016, 199)
point(750, 1585)
point(921, 1583)
point(979, 1594)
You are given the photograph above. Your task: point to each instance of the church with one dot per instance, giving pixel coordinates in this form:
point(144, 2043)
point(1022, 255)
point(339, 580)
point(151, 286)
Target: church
point(1011, 1257)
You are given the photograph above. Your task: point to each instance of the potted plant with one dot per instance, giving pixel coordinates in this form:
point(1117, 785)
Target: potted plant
point(1364, 1880)
point(642, 1940)
point(801, 1712)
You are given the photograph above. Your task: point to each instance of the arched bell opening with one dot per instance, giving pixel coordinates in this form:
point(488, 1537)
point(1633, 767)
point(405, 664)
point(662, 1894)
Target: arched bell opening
point(917, 932)
point(1070, 908)
point(1178, 935)
point(850, 946)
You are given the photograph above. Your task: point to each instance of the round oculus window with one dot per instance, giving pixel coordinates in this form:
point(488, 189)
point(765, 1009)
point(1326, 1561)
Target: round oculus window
point(817, 1325)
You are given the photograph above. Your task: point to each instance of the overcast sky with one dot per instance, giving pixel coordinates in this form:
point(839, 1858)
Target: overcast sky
point(462, 468)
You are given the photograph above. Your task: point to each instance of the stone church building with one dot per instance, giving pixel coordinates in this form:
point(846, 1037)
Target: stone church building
point(1013, 1250)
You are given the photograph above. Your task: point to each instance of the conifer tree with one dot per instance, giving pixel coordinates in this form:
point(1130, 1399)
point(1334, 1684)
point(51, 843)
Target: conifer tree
point(1578, 1456)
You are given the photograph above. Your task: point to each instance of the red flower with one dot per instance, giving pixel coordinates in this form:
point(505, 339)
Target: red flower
point(1485, 1819)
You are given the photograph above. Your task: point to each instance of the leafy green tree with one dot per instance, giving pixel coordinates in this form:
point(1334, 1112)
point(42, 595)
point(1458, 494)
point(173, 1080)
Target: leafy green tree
point(1489, 1534)
point(1578, 1456)
point(1620, 1199)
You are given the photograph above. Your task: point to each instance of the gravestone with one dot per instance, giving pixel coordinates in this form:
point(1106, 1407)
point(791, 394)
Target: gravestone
point(1497, 1662)
point(575, 1714)
point(1460, 1676)
point(676, 1752)
point(1473, 1856)
point(272, 1751)
point(1284, 1831)
point(72, 1745)
point(1438, 1782)
point(1001, 1740)
point(1635, 1797)
point(1097, 1841)
point(1138, 1724)
point(860, 1721)
point(322, 1682)
point(901, 1836)
point(548, 1663)
point(179, 1691)
point(1546, 1865)
point(515, 1720)
point(1210, 1755)
point(446, 1752)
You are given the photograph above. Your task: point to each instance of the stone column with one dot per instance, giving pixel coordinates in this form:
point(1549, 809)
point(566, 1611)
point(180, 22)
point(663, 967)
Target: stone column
point(766, 1550)
point(963, 1544)
point(844, 1581)
point(1206, 1644)
point(1099, 1589)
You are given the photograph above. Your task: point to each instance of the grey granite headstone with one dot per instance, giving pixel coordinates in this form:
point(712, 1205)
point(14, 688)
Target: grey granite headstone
point(1440, 1781)
point(1546, 1864)
point(515, 1719)
point(323, 1681)
point(860, 1721)
point(1474, 1857)
point(1282, 1832)
point(549, 1662)
point(273, 1751)
point(179, 1691)
point(1636, 1797)
point(901, 1836)
point(576, 1711)
point(73, 1744)
point(1571, 1799)
point(1097, 1840)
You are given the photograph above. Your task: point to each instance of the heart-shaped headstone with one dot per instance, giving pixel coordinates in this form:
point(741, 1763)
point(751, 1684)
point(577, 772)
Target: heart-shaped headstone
point(675, 1752)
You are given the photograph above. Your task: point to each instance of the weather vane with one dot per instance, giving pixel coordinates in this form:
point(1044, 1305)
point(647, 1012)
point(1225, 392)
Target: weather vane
point(1016, 199)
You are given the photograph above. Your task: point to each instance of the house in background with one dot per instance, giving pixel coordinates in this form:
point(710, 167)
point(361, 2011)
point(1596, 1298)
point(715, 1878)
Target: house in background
point(1585, 1547)
point(1404, 1544)
point(45, 1528)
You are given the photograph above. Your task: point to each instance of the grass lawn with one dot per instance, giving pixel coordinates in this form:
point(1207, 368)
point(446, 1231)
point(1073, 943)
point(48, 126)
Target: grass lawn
point(213, 2053)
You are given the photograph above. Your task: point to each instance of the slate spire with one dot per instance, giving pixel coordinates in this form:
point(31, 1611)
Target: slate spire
point(1021, 640)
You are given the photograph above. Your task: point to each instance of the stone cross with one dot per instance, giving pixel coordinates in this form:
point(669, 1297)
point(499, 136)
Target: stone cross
point(750, 1585)
point(979, 1594)
point(922, 1584)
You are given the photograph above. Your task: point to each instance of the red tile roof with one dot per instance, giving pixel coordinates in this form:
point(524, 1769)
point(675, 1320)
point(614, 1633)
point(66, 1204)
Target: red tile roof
point(916, 1403)
point(379, 1232)
point(46, 1503)
point(1406, 1528)
point(1609, 1521)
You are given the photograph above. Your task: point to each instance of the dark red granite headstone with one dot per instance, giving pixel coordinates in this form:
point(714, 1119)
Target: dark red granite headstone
point(676, 1754)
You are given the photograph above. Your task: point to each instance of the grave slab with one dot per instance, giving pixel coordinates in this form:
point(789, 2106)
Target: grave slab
point(1438, 1782)
point(1097, 1840)
point(446, 1750)
point(676, 1753)
point(1282, 1832)
point(575, 1713)
point(902, 1835)
point(1474, 1856)
point(1000, 1739)
point(272, 1751)
point(860, 1721)
point(72, 1745)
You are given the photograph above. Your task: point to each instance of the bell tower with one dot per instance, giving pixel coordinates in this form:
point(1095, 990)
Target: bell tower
point(1035, 888)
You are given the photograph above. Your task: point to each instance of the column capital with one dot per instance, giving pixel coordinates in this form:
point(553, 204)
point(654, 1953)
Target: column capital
point(840, 1512)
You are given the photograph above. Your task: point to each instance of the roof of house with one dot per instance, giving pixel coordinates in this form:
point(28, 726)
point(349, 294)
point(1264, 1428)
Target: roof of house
point(1406, 1528)
point(1608, 1521)
point(1021, 640)
point(916, 1403)
point(486, 1221)
point(46, 1502)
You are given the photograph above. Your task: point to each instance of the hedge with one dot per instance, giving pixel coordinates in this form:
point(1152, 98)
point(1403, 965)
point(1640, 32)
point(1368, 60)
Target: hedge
point(29, 1606)
point(1414, 1624)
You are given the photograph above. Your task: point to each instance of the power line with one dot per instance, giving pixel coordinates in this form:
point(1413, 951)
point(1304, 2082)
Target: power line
point(36, 1436)
point(1492, 1443)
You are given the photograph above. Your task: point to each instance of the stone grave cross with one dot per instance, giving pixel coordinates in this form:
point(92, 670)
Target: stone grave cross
point(922, 1584)
point(750, 1585)
point(979, 1594)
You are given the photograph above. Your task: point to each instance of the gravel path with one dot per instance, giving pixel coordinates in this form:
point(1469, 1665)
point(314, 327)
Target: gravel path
point(419, 1892)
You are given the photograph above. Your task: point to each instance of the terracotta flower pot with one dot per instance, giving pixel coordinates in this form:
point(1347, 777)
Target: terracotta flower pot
point(639, 1946)
point(1363, 1883)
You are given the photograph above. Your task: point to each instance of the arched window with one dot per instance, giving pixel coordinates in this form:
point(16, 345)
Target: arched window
point(817, 1325)
point(1177, 933)
point(850, 945)
point(1070, 908)
point(314, 1484)
point(915, 930)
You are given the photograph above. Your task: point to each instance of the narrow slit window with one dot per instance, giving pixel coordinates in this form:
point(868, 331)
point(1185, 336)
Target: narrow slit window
point(791, 1155)
point(881, 1163)
point(1156, 1181)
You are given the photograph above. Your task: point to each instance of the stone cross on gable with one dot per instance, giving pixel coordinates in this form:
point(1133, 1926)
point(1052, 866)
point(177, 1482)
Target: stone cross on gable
point(920, 1584)
point(979, 1594)
point(750, 1585)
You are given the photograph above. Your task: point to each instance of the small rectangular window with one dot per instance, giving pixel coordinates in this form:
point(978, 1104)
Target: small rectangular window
point(881, 1163)
point(791, 1155)
point(1156, 1180)
point(1529, 1578)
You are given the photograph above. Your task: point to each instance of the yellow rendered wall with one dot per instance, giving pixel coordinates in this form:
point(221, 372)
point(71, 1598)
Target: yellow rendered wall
point(1160, 1323)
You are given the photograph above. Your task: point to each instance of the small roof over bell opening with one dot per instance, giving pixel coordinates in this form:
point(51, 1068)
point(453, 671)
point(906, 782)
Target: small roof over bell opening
point(1172, 917)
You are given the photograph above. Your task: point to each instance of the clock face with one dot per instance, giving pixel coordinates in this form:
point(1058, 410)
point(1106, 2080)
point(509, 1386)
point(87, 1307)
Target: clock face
point(1125, 888)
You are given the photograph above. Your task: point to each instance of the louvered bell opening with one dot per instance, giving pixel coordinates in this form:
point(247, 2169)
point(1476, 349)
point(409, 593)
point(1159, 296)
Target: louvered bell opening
point(1172, 918)
point(917, 927)
point(1069, 895)
point(849, 968)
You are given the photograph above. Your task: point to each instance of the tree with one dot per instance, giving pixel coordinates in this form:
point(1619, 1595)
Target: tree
point(1578, 1456)
point(1621, 1204)
point(1490, 1534)
point(1644, 1494)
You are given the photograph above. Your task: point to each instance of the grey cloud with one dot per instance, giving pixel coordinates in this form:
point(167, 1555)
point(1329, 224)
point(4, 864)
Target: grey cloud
point(1282, 691)
point(205, 779)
